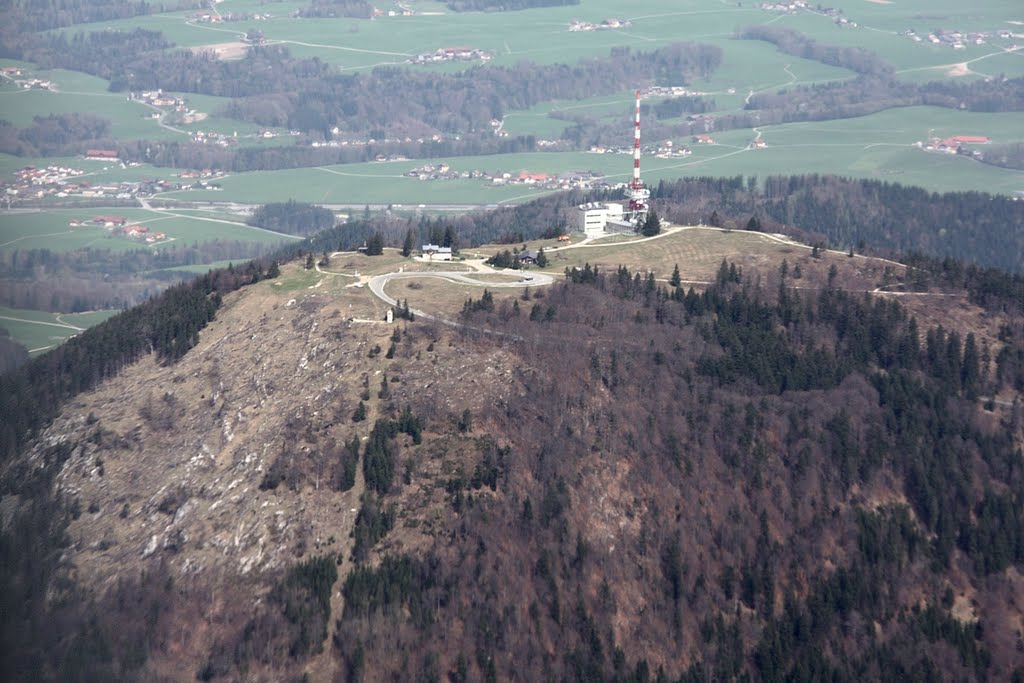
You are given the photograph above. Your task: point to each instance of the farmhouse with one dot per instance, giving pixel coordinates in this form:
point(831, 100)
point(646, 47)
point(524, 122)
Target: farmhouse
point(135, 231)
point(104, 154)
point(110, 220)
point(703, 139)
point(528, 257)
point(951, 145)
point(528, 178)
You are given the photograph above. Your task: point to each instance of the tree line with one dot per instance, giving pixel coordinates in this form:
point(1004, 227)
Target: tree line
point(800, 45)
point(292, 218)
point(872, 93)
point(21, 16)
point(896, 219)
point(310, 96)
point(54, 135)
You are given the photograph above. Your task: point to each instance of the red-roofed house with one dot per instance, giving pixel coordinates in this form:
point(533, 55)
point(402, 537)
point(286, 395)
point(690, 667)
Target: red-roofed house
point(969, 139)
point(101, 154)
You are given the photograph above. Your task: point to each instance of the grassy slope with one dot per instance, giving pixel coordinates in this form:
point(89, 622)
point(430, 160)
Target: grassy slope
point(39, 331)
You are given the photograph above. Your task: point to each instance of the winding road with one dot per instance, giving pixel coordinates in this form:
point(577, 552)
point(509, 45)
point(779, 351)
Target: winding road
point(378, 283)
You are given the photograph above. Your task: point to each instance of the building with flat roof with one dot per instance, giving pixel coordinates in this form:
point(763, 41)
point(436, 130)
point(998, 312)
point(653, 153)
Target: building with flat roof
point(591, 218)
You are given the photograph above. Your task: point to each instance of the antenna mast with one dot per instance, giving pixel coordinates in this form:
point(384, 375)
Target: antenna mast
point(637, 193)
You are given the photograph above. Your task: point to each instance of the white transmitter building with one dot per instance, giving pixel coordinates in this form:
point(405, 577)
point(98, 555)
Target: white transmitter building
point(600, 218)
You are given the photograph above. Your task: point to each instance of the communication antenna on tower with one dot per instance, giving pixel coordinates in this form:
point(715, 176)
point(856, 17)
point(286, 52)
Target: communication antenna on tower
point(637, 193)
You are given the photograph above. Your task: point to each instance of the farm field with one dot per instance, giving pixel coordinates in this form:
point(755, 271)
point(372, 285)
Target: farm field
point(39, 331)
point(76, 92)
point(542, 35)
point(49, 229)
point(875, 146)
point(872, 146)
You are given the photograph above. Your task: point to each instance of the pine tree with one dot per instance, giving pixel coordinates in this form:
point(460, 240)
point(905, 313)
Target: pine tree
point(375, 245)
point(651, 226)
point(409, 244)
point(970, 372)
point(451, 239)
point(676, 279)
point(542, 259)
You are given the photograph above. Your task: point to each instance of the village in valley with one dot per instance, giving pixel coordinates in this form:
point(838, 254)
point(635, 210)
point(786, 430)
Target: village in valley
point(608, 24)
point(58, 182)
point(451, 54)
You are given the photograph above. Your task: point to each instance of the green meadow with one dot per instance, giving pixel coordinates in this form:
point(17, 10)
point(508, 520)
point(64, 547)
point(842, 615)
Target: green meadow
point(39, 331)
point(876, 146)
point(199, 268)
point(873, 146)
point(49, 229)
point(542, 35)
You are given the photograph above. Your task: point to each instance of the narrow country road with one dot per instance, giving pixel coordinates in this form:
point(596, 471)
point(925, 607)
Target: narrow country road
point(378, 283)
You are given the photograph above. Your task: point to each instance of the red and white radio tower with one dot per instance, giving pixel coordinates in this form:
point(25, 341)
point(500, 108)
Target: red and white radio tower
point(637, 193)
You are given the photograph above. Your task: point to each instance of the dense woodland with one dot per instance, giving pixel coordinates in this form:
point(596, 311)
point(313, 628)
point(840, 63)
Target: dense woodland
point(292, 218)
point(766, 413)
point(19, 16)
point(54, 135)
point(888, 217)
point(12, 354)
point(1006, 156)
